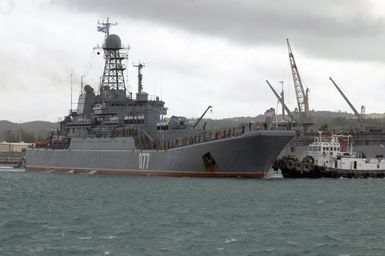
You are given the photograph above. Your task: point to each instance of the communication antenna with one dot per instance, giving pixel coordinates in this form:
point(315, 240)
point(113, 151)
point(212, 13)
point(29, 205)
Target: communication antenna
point(140, 66)
point(104, 27)
point(127, 77)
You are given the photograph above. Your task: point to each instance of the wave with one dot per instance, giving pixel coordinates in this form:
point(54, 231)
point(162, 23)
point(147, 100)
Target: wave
point(5, 168)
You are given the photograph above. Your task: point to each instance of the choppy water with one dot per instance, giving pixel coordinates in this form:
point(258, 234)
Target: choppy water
point(66, 214)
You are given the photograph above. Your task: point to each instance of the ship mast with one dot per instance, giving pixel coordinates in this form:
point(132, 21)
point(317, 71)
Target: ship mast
point(114, 55)
point(140, 66)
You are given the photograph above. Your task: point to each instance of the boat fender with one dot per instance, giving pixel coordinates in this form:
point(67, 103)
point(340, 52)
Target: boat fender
point(298, 166)
point(275, 166)
point(306, 167)
point(281, 164)
point(290, 164)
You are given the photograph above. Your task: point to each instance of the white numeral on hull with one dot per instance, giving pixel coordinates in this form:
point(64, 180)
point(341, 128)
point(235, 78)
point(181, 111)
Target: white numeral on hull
point(144, 160)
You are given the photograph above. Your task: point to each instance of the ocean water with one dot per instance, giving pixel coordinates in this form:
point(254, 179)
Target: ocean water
point(73, 214)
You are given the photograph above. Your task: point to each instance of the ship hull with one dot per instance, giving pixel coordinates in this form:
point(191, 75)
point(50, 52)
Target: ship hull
point(249, 156)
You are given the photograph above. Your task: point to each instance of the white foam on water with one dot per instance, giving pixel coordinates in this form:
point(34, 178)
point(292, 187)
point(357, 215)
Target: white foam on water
point(231, 240)
point(6, 168)
point(108, 237)
point(271, 174)
point(85, 237)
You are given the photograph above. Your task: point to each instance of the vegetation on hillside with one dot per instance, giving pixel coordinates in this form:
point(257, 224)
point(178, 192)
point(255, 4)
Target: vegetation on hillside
point(334, 121)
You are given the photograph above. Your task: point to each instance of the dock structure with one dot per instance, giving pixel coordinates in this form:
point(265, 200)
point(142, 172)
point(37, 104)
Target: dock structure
point(12, 161)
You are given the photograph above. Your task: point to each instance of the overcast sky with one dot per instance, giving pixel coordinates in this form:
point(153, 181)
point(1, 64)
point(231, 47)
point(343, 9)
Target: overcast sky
point(197, 53)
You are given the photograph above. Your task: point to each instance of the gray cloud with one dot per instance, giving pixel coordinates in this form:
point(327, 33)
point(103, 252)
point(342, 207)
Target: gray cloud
point(333, 29)
point(6, 7)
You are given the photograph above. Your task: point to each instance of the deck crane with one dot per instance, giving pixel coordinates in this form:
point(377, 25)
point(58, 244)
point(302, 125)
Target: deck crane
point(348, 101)
point(200, 118)
point(302, 95)
point(281, 101)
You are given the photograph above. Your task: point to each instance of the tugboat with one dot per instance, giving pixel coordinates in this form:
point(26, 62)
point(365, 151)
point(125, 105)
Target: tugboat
point(113, 132)
point(334, 158)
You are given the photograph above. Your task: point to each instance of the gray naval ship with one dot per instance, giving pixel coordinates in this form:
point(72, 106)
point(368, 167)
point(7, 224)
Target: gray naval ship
point(113, 132)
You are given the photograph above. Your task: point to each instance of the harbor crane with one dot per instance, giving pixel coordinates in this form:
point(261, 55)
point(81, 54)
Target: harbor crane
point(301, 94)
point(348, 101)
point(200, 118)
point(282, 102)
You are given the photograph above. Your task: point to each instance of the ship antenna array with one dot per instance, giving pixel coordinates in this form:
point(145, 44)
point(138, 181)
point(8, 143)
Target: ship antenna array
point(140, 66)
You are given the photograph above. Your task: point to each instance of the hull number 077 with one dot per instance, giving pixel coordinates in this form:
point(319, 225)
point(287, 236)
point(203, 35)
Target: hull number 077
point(144, 160)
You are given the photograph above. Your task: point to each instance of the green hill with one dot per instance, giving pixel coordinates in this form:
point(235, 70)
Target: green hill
point(30, 131)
